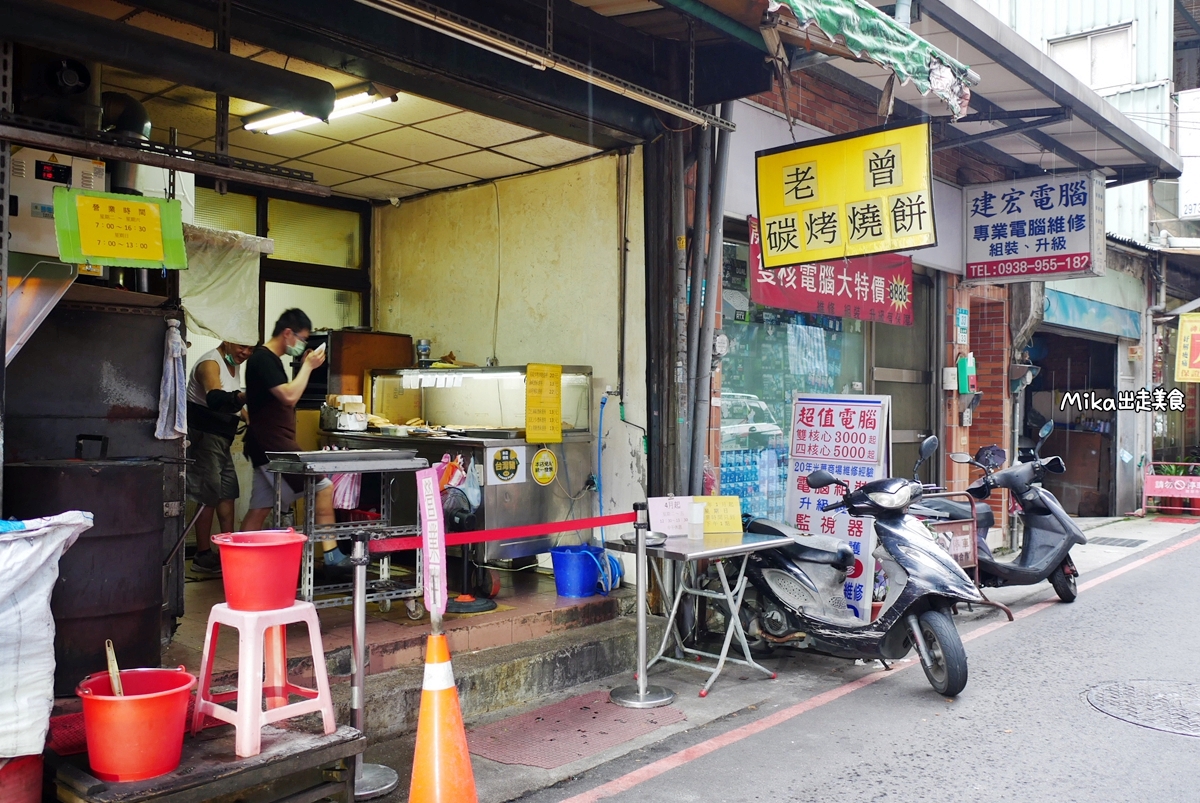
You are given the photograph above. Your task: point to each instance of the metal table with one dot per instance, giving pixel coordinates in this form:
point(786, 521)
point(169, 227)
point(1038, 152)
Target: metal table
point(369, 780)
point(719, 548)
point(315, 465)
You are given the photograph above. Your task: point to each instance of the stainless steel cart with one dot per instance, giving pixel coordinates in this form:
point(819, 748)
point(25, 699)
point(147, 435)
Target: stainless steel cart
point(312, 466)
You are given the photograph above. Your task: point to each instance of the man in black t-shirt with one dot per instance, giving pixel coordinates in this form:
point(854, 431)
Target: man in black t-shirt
point(271, 406)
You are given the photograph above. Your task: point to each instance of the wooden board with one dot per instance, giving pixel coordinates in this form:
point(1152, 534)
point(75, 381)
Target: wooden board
point(209, 770)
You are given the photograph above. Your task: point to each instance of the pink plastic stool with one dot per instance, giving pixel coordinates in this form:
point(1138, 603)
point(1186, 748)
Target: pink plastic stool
point(254, 629)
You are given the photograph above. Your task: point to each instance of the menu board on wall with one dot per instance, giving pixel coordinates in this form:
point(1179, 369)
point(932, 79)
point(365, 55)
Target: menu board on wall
point(849, 437)
point(543, 403)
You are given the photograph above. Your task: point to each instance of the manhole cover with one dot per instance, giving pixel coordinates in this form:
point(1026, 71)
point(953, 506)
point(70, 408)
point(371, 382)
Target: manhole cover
point(1124, 542)
point(1163, 705)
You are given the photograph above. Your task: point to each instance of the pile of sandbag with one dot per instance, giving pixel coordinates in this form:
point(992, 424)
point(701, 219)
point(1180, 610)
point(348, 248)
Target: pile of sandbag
point(29, 553)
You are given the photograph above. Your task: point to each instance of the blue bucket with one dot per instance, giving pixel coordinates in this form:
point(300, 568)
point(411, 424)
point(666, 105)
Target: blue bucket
point(576, 569)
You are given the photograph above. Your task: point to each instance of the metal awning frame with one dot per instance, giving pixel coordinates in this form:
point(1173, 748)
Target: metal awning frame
point(970, 22)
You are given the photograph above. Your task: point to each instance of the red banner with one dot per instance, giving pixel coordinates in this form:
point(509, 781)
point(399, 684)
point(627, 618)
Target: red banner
point(873, 288)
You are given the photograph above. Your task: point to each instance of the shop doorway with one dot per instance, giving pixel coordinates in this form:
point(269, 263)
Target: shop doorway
point(903, 366)
point(1084, 437)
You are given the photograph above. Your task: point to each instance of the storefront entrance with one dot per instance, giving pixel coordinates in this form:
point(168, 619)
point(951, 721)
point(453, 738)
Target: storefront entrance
point(903, 365)
point(1083, 436)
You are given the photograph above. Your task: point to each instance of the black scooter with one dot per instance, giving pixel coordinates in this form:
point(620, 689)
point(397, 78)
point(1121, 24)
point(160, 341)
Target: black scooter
point(1049, 533)
point(797, 594)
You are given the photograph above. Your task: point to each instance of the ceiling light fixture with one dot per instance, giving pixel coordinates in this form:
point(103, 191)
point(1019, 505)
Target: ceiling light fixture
point(350, 101)
point(501, 44)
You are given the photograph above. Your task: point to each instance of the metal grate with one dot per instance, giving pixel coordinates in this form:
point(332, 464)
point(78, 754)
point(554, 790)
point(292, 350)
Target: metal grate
point(568, 731)
point(61, 129)
point(6, 54)
point(1122, 542)
point(1162, 705)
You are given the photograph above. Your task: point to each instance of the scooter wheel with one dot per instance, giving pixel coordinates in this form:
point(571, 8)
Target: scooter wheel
point(948, 672)
point(1064, 585)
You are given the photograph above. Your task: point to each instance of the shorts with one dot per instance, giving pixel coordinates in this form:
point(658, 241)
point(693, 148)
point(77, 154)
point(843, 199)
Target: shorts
point(212, 478)
point(262, 495)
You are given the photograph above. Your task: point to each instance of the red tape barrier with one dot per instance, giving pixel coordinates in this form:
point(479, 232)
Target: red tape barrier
point(524, 531)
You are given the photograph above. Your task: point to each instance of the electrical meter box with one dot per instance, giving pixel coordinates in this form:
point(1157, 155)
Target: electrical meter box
point(35, 174)
point(967, 380)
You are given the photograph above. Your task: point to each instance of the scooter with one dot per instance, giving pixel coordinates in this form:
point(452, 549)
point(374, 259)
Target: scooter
point(798, 589)
point(1049, 533)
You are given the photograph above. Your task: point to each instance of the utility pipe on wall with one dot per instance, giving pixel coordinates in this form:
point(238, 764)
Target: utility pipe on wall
point(679, 286)
point(699, 244)
point(701, 411)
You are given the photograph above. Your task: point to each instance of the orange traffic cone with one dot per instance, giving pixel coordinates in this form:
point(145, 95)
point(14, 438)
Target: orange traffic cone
point(442, 764)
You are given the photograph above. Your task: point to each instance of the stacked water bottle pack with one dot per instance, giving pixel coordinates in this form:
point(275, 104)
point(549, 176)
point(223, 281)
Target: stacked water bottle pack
point(758, 477)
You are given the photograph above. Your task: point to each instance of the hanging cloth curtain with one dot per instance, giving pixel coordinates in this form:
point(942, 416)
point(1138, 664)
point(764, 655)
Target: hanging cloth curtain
point(220, 287)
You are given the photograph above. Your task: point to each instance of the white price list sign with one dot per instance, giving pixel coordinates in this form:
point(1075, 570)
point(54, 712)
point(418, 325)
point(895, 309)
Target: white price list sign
point(849, 437)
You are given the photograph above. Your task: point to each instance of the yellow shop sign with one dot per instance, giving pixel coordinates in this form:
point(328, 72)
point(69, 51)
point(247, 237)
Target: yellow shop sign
point(846, 196)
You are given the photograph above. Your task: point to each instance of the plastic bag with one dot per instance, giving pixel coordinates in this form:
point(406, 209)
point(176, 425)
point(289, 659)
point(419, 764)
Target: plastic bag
point(346, 488)
point(346, 491)
point(471, 486)
point(28, 571)
point(450, 472)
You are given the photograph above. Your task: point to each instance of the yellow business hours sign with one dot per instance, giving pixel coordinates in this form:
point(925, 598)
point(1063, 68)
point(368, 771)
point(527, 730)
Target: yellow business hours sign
point(845, 196)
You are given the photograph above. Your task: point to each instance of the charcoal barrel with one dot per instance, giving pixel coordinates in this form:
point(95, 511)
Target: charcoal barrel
point(110, 581)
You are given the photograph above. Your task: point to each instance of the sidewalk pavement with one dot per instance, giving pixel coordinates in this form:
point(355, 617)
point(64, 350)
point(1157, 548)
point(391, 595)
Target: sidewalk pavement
point(743, 692)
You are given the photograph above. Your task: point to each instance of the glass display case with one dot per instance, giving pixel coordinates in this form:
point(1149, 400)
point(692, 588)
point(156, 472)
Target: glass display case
point(489, 401)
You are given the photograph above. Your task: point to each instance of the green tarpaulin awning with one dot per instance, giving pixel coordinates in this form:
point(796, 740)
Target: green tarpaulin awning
point(870, 35)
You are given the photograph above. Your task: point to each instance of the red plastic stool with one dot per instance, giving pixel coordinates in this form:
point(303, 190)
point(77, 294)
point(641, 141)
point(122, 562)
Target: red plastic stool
point(256, 629)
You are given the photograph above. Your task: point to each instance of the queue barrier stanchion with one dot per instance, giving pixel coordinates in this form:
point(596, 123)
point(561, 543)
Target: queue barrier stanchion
point(642, 695)
point(370, 780)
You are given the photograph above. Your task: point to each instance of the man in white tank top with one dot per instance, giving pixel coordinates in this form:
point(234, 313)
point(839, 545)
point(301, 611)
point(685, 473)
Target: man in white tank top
point(214, 406)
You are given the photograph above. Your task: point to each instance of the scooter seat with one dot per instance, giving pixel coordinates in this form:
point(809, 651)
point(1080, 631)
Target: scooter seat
point(841, 558)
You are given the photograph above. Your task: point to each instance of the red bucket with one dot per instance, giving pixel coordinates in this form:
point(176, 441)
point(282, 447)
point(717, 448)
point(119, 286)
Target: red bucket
point(138, 735)
point(260, 569)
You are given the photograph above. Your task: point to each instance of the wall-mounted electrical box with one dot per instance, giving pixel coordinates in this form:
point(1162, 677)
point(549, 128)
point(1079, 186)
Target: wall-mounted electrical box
point(967, 383)
point(35, 174)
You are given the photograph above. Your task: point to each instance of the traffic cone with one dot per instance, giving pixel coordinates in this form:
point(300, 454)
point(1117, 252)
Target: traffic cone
point(442, 763)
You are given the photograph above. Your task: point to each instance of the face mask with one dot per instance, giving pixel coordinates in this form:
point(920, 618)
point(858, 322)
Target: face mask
point(229, 360)
point(297, 348)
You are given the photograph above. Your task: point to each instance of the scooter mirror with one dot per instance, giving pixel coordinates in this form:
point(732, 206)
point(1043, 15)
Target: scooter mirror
point(822, 478)
point(928, 447)
point(1046, 429)
point(960, 457)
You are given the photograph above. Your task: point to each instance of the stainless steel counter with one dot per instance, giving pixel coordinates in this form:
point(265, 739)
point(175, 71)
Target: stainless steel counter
point(520, 500)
